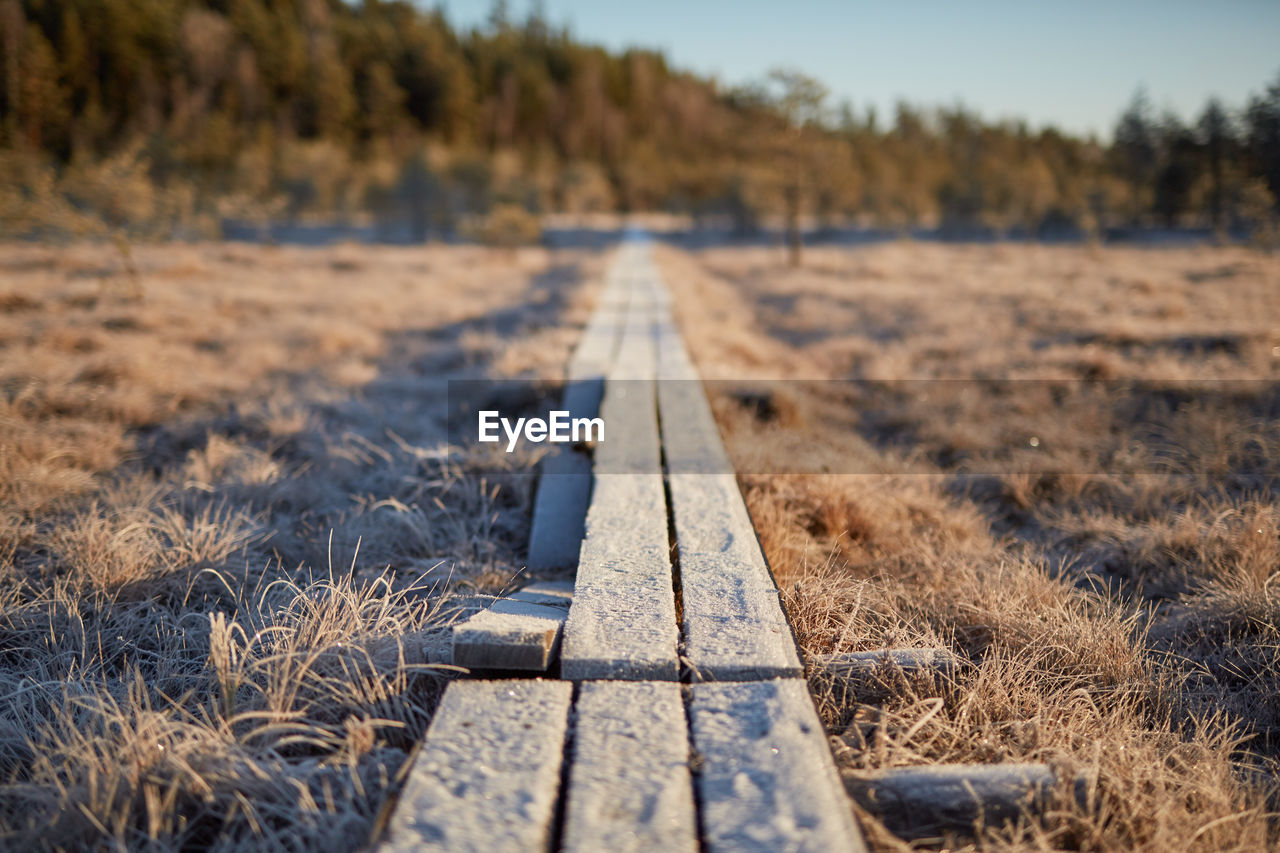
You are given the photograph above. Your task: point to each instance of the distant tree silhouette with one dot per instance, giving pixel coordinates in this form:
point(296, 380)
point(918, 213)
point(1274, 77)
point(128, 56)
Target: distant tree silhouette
point(1176, 166)
point(1218, 139)
point(1135, 152)
point(291, 107)
point(1262, 118)
point(799, 99)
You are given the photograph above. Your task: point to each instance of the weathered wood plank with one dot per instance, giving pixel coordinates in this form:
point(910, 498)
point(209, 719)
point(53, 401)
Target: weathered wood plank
point(766, 779)
point(921, 802)
point(629, 784)
point(674, 362)
point(488, 772)
point(863, 665)
point(560, 509)
point(734, 625)
point(874, 676)
point(555, 593)
point(521, 631)
point(622, 624)
point(564, 487)
point(509, 635)
point(596, 347)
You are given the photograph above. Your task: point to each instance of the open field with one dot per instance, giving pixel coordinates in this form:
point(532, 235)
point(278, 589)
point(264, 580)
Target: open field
point(1101, 544)
point(228, 520)
point(230, 524)
point(492, 427)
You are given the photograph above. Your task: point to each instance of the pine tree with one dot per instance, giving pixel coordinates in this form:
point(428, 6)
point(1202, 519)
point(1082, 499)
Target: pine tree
point(1262, 118)
point(1217, 138)
point(1135, 152)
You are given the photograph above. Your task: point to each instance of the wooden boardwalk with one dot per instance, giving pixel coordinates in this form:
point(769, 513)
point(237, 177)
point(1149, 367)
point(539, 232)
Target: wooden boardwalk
point(681, 719)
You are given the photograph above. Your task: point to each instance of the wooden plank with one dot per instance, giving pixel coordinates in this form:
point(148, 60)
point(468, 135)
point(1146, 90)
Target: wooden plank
point(734, 625)
point(564, 487)
point(599, 341)
point(861, 665)
point(673, 358)
point(488, 772)
point(521, 631)
point(629, 784)
point(509, 635)
point(922, 802)
point(622, 624)
point(560, 509)
point(766, 778)
point(690, 437)
point(872, 677)
point(557, 593)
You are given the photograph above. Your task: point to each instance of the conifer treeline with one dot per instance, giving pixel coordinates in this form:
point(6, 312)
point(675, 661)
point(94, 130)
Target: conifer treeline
point(183, 109)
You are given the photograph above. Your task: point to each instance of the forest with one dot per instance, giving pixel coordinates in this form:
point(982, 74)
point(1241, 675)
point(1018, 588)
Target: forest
point(164, 118)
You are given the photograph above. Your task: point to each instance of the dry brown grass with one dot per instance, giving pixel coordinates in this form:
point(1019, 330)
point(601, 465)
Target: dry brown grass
point(230, 522)
point(1113, 583)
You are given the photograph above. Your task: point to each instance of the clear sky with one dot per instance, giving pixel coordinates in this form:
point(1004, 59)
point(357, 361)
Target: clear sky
point(1073, 64)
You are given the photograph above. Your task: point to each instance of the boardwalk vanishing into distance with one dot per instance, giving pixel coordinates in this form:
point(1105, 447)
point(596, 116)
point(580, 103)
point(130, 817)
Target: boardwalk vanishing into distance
point(681, 719)
point(490, 427)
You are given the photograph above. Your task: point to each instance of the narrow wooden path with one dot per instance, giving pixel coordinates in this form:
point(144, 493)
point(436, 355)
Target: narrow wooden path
point(681, 720)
